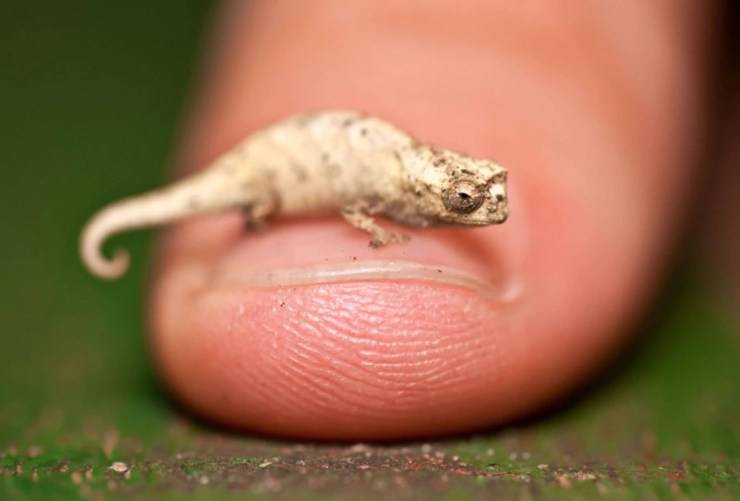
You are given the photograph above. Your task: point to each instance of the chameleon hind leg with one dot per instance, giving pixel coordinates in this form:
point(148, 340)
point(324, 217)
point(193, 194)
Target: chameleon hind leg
point(258, 212)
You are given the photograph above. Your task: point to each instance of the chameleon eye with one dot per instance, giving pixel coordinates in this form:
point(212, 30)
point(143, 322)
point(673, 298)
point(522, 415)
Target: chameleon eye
point(463, 197)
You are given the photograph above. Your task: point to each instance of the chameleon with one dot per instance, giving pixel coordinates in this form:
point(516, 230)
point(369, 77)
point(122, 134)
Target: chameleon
point(329, 162)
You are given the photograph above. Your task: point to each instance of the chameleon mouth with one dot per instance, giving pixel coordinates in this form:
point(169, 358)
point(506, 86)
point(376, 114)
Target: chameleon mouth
point(497, 214)
point(501, 214)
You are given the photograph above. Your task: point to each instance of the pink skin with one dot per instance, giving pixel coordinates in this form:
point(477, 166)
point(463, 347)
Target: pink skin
point(597, 160)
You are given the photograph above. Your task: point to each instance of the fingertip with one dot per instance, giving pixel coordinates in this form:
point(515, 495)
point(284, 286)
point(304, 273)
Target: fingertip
point(402, 358)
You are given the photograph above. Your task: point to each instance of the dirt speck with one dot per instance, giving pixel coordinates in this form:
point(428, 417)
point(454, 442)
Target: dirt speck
point(118, 467)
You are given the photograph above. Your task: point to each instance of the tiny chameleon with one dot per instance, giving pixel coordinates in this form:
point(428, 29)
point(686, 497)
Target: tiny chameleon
point(330, 162)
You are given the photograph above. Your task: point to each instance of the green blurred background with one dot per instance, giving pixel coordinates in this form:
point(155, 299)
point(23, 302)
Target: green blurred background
point(90, 97)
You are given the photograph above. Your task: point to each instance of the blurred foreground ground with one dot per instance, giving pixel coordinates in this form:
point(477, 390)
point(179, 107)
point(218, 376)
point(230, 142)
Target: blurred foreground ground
point(89, 97)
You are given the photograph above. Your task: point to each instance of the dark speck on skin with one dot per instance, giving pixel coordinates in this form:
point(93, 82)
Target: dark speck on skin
point(299, 172)
point(363, 131)
point(331, 169)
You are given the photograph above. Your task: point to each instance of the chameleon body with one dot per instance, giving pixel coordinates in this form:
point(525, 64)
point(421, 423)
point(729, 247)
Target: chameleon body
point(325, 163)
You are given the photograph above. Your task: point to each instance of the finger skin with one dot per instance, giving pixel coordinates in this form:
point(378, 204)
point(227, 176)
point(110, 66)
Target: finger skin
point(597, 160)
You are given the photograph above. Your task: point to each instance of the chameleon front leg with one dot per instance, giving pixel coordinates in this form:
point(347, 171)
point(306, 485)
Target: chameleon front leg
point(357, 215)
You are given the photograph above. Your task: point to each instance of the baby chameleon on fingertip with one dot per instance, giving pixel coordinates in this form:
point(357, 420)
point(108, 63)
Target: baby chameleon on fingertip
point(331, 162)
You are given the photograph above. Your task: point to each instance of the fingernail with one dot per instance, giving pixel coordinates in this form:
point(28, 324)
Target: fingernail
point(330, 252)
point(363, 271)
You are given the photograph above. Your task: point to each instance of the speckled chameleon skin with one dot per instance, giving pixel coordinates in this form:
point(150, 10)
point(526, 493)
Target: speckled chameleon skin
point(324, 163)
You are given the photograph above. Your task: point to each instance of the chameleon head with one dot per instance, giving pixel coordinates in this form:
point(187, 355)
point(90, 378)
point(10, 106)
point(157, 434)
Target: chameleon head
point(456, 189)
point(476, 199)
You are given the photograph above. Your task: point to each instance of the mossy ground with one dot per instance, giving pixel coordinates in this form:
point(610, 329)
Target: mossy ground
point(90, 95)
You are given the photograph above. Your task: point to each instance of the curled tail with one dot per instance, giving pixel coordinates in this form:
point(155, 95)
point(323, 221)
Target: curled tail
point(95, 233)
point(212, 190)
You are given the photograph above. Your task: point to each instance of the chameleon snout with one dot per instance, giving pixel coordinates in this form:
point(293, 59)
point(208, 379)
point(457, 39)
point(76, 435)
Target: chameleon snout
point(499, 203)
